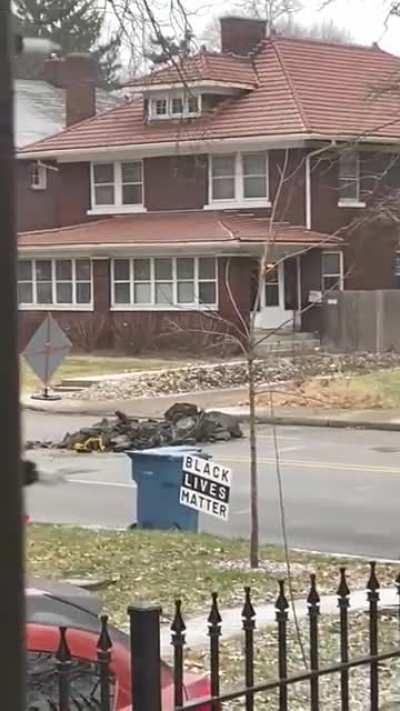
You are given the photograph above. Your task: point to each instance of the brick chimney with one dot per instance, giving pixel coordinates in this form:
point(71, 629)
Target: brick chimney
point(80, 85)
point(241, 35)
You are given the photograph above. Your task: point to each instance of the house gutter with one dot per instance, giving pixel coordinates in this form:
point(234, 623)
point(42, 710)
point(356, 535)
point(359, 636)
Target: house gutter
point(332, 144)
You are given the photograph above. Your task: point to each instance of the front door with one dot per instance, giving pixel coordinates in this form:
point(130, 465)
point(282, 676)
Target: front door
point(272, 313)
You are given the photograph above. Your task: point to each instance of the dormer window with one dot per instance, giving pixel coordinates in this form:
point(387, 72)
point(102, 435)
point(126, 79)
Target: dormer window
point(175, 105)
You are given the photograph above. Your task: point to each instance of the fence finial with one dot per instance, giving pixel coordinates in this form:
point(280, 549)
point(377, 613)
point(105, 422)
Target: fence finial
point(63, 654)
point(248, 611)
point(104, 642)
point(373, 582)
point(178, 626)
point(214, 618)
point(281, 604)
point(313, 599)
point(343, 590)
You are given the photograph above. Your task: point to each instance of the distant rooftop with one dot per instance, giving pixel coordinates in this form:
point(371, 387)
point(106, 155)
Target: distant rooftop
point(40, 109)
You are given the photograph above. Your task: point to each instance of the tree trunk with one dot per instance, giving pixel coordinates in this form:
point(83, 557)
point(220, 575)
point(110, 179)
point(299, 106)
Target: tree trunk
point(254, 536)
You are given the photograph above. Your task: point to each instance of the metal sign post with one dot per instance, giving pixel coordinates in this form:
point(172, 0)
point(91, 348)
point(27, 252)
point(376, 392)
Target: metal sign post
point(45, 352)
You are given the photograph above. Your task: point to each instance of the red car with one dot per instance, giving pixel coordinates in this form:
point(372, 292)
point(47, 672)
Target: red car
point(51, 605)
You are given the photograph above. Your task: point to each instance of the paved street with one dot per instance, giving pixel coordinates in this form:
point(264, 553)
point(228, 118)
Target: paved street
point(341, 487)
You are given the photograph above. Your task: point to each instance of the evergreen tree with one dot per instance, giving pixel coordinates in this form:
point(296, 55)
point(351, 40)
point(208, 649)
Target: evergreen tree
point(75, 25)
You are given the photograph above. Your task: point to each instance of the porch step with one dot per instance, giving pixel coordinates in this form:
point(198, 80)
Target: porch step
point(286, 343)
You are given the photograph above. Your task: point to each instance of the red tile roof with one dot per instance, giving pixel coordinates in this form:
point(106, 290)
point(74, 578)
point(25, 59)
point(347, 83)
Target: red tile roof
point(304, 87)
point(173, 228)
point(205, 66)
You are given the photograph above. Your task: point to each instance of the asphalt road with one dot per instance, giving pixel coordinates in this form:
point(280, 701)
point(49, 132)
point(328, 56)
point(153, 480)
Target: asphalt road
point(341, 487)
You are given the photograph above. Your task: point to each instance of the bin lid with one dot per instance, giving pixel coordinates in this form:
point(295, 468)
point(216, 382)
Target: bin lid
point(174, 452)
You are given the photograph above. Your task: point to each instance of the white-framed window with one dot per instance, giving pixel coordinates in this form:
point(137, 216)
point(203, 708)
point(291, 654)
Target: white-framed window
point(38, 176)
point(55, 283)
point(332, 270)
point(239, 178)
point(181, 104)
point(117, 185)
point(349, 178)
point(157, 283)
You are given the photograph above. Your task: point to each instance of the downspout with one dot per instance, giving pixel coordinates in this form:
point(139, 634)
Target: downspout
point(308, 181)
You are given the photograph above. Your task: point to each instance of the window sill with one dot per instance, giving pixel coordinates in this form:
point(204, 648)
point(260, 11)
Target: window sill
point(236, 205)
point(167, 307)
point(55, 307)
point(116, 210)
point(351, 203)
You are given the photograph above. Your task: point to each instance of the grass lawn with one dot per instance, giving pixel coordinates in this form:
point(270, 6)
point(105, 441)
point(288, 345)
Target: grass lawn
point(265, 664)
point(84, 365)
point(158, 567)
point(377, 390)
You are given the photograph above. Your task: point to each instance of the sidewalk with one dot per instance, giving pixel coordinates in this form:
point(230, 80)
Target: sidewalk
point(225, 400)
point(197, 628)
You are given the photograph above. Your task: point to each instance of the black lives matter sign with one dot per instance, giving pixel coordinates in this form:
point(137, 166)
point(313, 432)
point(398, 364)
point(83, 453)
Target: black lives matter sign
point(206, 486)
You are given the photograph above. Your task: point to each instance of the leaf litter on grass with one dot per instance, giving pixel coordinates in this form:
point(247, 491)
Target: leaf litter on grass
point(161, 566)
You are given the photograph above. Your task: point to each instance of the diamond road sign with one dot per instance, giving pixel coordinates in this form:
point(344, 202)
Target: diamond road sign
point(47, 349)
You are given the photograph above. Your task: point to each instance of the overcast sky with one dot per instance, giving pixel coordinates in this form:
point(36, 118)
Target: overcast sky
point(364, 19)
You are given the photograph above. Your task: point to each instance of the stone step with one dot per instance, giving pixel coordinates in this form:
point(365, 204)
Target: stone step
point(285, 336)
point(288, 349)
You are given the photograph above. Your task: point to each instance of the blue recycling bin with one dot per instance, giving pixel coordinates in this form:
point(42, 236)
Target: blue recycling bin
point(158, 475)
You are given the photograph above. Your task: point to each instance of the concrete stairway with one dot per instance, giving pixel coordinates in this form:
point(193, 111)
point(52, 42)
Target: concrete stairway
point(286, 343)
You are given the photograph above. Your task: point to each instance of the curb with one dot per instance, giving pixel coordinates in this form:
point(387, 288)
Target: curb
point(324, 422)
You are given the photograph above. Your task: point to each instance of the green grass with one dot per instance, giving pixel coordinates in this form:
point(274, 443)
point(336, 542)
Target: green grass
point(266, 667)
point(159, 567)
point(84, 365)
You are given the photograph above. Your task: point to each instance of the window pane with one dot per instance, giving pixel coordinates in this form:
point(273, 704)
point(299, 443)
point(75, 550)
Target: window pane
point(163, 293)
point(131, 172)
point(83, 293)
point(142, 293)
point(349, 189)
point(64, 293)
point(25, 293)
point(193, 104)
point(254, 187)
point(104, 195)
point(348, 165)
point(271, 295)
point(331, 283)
point(122, 293)
point(103, 172)
point(185, 292)
point(254, 163)
point(141, 269)
point(177, 105)
point(121, 270)
point(185, 268)
point(44, 293)
point(24, 270)
point(64, 269)
point(223, 189)
point(207, 292)
point(206, 268)
point(43, 270)
point(223, 165)
point(163, 268)
point(331, 263)
point(132, 194)
point(83, 271)
point(161, 106)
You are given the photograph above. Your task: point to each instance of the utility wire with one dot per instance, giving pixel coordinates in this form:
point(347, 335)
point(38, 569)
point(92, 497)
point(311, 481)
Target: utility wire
point(284, 532)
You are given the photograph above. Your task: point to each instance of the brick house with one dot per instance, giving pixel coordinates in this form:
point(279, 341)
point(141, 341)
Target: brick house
point(154, 214)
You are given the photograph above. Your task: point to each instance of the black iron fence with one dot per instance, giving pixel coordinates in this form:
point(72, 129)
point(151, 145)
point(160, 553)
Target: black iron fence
point(99, 693)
